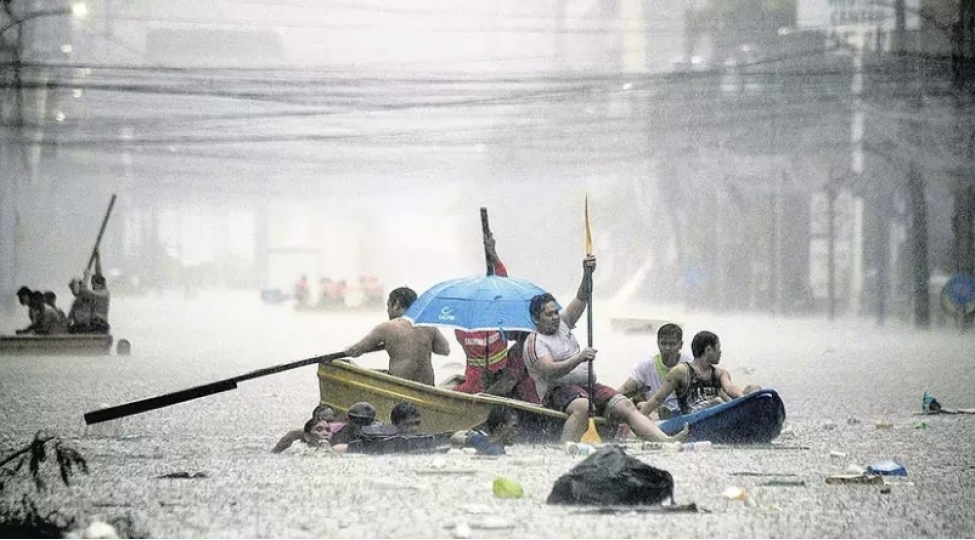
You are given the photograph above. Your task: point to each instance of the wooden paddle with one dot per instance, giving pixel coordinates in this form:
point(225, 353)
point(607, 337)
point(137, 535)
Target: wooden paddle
point(101, 232)
point(165, 400)
point(486, 229)
point(591, 436)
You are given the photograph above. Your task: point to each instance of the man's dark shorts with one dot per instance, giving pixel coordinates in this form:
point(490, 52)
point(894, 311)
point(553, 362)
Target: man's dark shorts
point(560, 397)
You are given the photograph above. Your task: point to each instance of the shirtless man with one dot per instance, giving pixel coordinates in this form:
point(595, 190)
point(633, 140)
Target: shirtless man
point(699, 384)
point(409, 347)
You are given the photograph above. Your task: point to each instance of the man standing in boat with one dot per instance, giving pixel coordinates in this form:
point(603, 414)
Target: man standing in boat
point(701, 383)
point(560, 368)
point(409, 347)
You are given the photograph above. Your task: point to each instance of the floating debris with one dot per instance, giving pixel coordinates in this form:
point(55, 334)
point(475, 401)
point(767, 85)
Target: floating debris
point(185, 475)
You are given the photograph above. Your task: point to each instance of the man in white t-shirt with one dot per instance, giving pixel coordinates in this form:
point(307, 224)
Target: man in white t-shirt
point(649, 373)
point(560, 368)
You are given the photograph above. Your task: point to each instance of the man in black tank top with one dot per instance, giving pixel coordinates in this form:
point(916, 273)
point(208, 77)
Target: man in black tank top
point(700, 383)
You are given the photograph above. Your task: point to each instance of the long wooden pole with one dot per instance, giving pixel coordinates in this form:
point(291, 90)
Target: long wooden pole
point(101, 232)
point(165, 400)
point(486, 229)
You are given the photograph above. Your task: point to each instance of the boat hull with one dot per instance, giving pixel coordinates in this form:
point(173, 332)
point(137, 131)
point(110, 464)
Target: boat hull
point(70, 344)
point(342, 383)
point(755, 418)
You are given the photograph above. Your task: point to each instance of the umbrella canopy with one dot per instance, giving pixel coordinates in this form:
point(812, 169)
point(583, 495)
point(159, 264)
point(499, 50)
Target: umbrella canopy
point(476, 303)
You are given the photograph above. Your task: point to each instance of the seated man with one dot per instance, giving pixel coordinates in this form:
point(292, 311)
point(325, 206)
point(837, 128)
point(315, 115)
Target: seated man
point(649, 373)
point(89, 311)
point(560, 368)
point(23, 296)
point(44, 318)
point(499, 431)
point(409, 347)
point(700, 383)
point(515, 381)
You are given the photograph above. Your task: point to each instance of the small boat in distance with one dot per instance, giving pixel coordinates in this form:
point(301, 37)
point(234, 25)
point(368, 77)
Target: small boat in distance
point(66, 344)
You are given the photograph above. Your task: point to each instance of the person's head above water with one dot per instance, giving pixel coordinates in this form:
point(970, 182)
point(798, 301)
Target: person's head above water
point(406, 417)
point(362, 414)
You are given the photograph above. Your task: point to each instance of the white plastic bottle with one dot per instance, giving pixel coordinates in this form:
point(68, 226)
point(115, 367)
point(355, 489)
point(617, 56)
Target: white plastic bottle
point(697, 446)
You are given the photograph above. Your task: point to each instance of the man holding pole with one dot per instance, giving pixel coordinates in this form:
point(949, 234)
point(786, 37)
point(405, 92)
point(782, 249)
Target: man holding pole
point(560, 368)
point(89, 311)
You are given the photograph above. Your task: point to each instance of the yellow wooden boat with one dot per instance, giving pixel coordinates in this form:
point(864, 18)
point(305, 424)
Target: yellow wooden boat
point(66, 344)
point(343, 383)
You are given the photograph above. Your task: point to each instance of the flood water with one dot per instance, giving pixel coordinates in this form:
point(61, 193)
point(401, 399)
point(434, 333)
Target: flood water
point(838, 381)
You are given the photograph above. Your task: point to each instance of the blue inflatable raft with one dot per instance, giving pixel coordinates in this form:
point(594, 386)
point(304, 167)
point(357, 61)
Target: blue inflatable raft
point(755, 418)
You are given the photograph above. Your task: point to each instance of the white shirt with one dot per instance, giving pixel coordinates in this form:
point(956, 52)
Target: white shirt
point(560, 346)
point(650, 373)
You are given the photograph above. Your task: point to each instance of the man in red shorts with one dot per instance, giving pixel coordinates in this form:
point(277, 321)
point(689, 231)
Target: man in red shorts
point(560, 368)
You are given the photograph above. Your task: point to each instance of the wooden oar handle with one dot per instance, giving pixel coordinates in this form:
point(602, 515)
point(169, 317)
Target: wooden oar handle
point(158, 402)
point(486, 230)
point(101, 232)
point(165, 400)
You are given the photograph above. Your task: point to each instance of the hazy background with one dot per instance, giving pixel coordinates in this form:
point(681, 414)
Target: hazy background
point(253, 142)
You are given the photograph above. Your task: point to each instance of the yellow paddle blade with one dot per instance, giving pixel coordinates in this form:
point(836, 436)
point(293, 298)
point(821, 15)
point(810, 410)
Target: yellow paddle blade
point(591, 436)
point(588, 230)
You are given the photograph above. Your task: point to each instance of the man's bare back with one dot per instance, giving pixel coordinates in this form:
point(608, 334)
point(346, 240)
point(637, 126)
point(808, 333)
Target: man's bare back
point(409, 347)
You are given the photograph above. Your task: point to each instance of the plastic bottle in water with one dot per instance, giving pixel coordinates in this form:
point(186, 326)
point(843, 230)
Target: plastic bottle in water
point(697, 446)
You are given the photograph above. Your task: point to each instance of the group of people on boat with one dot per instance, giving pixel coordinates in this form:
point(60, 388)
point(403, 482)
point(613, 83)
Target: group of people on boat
point(549, 367)
point(337, 294)
point(360, 432)
point(88, 313)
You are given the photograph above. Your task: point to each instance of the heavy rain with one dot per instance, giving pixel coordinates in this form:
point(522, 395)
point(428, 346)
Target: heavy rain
point(256, 177)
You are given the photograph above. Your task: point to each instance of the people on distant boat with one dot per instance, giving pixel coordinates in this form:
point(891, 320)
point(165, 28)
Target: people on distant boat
point(44, 318)
point(409, 347)
point(560, 368)
point(500, 430)
point(406, 418)
point(372, 291)
point(700, 383)
point(23, 296)
point(302, 292)
point(331, 293)
point(317, 433)
point(52, 300)
point(89, 310)
point(649, 373)
point(323, 286)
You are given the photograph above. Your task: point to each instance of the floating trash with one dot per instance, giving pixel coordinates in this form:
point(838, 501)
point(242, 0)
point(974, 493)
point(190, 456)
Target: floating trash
point(506, 488)
point(738, 494)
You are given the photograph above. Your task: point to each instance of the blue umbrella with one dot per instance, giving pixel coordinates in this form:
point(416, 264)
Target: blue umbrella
point(477, 303)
